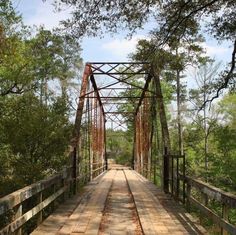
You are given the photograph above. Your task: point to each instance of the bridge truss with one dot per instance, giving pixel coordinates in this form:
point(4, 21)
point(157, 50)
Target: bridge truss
point(113, 94)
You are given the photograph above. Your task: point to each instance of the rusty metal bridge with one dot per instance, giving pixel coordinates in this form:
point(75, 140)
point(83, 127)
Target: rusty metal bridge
point(91, 196)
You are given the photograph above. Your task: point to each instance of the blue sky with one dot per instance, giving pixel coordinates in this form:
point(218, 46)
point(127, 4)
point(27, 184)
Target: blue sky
point(109, 48)
point(116, 48)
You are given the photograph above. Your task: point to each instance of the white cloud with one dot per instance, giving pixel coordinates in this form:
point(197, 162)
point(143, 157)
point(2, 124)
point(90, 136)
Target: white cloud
point(41, 13)
point(122, 47)
point(213, 50)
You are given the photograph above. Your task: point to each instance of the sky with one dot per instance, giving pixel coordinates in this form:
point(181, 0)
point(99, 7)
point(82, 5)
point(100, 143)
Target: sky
point(116, 48)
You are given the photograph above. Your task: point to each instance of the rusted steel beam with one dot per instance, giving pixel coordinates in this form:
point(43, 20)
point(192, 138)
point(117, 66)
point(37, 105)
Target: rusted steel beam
point(119, 125)
point(112, 84)
point(120, 112)
point(116, 97)
point(76, 131)
point(126, 82)
point(121, 80)
point(105, 146)
point(121, 88)
point(145, 89)
point(96, 90)
point(120, 73)
point(120, 63)
point(117, 103)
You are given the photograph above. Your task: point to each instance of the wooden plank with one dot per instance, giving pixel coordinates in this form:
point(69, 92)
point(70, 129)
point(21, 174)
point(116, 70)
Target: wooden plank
point(59, 218)
point(97, 203)
point(141, 202)
point(165, 215)
point(87, 216)
point(119, 216)
point(28, 215)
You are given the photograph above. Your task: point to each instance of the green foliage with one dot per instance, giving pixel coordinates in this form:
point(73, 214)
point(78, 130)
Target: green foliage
point(35, 139)
point(228, 109)
point(175, 19)
point(96, 17)
point(34, 120)
point(120, 146)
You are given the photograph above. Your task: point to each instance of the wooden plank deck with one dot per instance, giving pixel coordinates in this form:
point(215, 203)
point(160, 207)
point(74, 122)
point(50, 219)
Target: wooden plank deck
point(111, 197)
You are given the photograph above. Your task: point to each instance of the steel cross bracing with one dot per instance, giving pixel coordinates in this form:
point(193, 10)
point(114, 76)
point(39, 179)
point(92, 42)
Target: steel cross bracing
point(112, 80)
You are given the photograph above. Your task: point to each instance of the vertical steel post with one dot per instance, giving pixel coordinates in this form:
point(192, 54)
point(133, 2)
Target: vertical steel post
point(74, 171)
point(177, 176)
point(141, 141)
point(101, 140)
point(184, 183)
point(105, 145)
point(89, 142)
point(164, 129)
point(172, 176)
point(134, 144)
point(166, 171)
point(91, 138)
point(77, 127)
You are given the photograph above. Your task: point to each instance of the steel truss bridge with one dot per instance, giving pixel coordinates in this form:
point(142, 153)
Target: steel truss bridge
point(118, 199)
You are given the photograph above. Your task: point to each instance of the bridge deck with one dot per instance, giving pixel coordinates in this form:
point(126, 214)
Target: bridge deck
point(120, 202)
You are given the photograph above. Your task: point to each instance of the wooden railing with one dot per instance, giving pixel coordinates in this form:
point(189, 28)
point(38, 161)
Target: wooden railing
point(199, 194)
point(22, 205)
point(195, 193)
point(14, 203)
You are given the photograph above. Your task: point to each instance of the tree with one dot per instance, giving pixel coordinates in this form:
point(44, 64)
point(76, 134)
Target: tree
point(34, 137)
point(55, 57)
point(29, 61)
point(224, 141)
point(221, 26)
point(183, 52)
point(228, 109)
point(204, 78)
point(34, 133)
point(15, 78)
point(101, 16)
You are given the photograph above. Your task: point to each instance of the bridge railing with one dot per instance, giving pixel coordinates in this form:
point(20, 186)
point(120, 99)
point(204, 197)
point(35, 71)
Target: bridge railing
point(21, 206)
point(199, 194)
point(212, 202)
